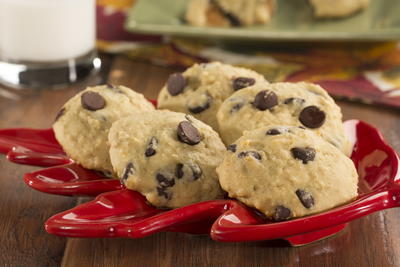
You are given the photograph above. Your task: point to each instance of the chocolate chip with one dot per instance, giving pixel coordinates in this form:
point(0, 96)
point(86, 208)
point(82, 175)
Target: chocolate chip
point(60, 113)
point(151, 147)
point(254, 154)
point(232, 148)
point(165, 181)
point(282, 213)
point(265, 100)
point(176, 83)
point(306, 198)
point(236, 107)
point(192, 168)
point(110, 86)
point(243, 154)
point(179, 173)
point(273, 132)
point(188, 134)
point(163, 193)
point(292, 100)
point(128, 171)
point(305, 154)
point(92, 101)
point(196, 171)
point(202, 107)
point(302, 127)
point(242, 82)
point(312, 117)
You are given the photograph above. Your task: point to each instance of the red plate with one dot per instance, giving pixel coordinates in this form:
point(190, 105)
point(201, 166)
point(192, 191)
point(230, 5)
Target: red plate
point(125, 213)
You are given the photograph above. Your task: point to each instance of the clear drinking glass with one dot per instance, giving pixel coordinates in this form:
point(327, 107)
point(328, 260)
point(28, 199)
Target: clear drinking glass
point(46, 43)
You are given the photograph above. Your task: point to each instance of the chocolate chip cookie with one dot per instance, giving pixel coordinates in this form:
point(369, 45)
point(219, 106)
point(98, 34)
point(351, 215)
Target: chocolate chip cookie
point(202, 88)
point(171, 158)
point(337, 8)
point(82, 124)
point(229, 13)
point(294, 104)
point(287, 172)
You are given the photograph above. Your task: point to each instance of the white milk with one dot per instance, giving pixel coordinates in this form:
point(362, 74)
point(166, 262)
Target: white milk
point(46, 30)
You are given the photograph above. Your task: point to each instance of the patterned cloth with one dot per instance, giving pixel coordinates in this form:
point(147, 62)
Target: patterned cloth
point(366, 72)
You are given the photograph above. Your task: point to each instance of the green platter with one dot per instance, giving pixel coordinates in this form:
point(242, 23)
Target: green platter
point(293, 21)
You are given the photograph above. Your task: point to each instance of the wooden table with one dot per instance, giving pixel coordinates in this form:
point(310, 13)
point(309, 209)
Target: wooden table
point(371, 241)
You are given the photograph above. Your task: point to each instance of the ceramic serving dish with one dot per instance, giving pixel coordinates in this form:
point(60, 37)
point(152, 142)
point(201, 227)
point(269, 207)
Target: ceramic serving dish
point(292, 21)
point(118, 212)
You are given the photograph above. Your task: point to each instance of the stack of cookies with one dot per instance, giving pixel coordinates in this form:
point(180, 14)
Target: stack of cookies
point(279, 148)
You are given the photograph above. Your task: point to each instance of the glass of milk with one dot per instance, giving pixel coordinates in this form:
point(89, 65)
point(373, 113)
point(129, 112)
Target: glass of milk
point(46, 43)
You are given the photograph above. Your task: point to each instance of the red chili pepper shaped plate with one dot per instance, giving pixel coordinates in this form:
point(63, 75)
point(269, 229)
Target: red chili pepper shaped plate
point(32, 147)
point(64, 177)
point(124, 213)
point(71, 180)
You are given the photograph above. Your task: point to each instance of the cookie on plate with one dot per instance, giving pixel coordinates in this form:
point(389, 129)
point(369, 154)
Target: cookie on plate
point(337, 8)
point(225, 13)
point(293, 104)
point(202, 88)
point(287, 172)
point(82, 124)
point(171, 159)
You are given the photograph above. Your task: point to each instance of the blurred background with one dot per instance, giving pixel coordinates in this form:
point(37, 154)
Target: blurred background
point(362, 68)
point(355, 57)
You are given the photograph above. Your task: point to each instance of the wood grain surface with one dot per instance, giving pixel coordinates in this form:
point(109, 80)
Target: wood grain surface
point(371, 241)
